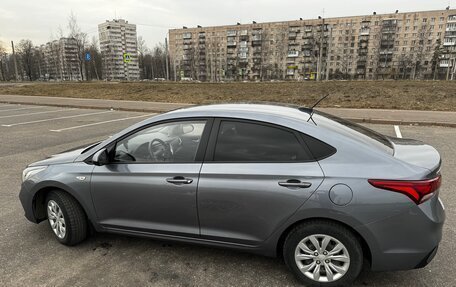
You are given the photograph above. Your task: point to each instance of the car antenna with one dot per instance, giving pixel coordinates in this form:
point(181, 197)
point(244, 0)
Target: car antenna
point(311, 109)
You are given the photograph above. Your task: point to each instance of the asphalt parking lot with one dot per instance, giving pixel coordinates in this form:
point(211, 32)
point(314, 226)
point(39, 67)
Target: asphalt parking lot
point(29, 255)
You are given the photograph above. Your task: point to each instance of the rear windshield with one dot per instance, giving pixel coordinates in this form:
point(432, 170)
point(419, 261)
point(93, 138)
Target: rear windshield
point(355, 131)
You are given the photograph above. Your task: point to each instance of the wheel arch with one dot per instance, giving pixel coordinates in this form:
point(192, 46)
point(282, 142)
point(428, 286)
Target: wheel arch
point(367, 252)
point(39, 204)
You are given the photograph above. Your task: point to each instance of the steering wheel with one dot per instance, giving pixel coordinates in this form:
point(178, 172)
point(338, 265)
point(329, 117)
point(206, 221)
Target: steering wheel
point(160, 152)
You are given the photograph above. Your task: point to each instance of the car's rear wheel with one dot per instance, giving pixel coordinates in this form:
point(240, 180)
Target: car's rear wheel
point(66, 218)
point(323, 253)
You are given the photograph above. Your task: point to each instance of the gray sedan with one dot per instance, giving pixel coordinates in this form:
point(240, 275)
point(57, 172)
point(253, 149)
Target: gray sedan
point(325, 194)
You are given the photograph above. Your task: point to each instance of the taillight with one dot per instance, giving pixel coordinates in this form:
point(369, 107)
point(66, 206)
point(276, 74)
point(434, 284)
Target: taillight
point(418, 190)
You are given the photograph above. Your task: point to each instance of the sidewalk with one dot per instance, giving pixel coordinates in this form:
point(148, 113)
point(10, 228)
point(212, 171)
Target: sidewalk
point(378, 116)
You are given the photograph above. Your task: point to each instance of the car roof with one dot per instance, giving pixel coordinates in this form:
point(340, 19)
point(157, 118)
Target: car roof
point(241, 109)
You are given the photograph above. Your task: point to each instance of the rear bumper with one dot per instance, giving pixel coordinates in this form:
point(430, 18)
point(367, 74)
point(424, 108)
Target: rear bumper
point(406, 241)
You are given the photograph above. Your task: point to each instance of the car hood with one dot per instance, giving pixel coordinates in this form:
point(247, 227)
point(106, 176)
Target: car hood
point(64, 157)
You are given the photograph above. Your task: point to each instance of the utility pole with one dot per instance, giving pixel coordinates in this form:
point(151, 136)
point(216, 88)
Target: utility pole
point(320, 56)
point(15, 62)
point(166, 60)
point(448, 69)
point(328, 49)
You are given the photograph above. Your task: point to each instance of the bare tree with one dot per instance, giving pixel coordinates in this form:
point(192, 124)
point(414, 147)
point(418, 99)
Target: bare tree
point(422, 50)
point(2, 56)
point(81, 40)
point(142, 51)
point(25, 51)
point(281, 51)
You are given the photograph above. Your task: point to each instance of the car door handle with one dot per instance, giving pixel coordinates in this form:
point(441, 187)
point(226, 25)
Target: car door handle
point(179, 180)
point(295, 183)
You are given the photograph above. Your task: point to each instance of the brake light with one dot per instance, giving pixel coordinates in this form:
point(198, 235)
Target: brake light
point(418, 190)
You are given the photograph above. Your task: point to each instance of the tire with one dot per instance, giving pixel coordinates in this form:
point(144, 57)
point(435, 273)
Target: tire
point(60, 205)
point(304, 264)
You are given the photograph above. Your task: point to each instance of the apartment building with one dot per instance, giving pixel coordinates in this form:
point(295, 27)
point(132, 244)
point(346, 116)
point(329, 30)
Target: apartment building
point(118, 45)
point(58, 60)
point(412, 45)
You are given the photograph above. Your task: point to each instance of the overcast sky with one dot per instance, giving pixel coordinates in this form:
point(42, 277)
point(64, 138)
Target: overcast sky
point(39, 20)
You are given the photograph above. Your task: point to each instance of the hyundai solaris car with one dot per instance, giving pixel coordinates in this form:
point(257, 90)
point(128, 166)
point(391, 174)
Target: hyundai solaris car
point(326, 194)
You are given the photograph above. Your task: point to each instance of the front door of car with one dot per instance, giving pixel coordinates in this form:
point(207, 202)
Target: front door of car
point(255, 176)
point(151, 181)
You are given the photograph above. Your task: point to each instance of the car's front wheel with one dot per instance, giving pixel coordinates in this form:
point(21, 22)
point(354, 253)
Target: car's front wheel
point(66, 218)
point(322, 253)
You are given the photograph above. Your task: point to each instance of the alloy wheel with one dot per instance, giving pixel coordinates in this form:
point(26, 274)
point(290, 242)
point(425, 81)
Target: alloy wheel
point(56, 219)
point(322, 258)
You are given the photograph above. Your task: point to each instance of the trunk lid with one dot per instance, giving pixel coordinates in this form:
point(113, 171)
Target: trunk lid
point(416, 153)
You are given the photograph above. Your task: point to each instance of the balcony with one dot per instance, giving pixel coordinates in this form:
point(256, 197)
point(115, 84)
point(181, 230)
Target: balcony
point(293, 54)
point(450, 28)
point(449, 43)
point(231, 33)
point(256, 38)
point(292, 35)
point(364, 31)
point(243, 44)
point(231, 44)
point(243, 33)
point(242, 55)
point(452, 19)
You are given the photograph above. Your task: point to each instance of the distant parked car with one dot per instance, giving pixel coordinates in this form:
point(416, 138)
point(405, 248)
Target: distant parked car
point(324, 193)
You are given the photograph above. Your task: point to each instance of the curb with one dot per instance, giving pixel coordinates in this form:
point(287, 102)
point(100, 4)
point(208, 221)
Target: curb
point(146, 110)
point(87, 107)
point(400, 122)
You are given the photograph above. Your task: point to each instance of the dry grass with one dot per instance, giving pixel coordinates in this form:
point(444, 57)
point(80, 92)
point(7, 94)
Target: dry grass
point(413, 95)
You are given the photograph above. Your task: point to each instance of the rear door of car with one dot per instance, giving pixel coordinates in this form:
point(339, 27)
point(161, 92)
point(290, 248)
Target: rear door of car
point(255, 176)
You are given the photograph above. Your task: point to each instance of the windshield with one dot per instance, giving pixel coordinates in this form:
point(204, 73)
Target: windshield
point(355, 131)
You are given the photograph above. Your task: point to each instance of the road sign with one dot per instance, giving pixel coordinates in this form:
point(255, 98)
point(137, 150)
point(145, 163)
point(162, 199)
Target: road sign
point(127, 57)
point(88, 57)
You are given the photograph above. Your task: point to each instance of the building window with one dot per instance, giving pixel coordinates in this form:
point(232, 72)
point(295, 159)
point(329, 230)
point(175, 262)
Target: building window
point(424, 20)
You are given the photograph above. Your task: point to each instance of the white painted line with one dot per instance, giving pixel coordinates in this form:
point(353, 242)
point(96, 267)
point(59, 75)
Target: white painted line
point(12, 116)
point(21, 109)
point(100, 123)
point(398, 131)
point(53, 119)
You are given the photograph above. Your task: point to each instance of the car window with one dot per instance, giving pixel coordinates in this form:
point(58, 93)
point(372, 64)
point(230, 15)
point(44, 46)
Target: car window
point(354, 131)
point(320, 150)
point(251, 142)
point(169, 142)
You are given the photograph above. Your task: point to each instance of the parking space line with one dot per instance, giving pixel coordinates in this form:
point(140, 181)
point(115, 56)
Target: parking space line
point(21, 109)
point(53, 119)
point(100, 123)
point(398, 131)
point(38, 113)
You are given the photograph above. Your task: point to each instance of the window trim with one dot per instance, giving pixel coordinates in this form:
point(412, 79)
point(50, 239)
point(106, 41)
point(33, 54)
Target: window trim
point(200, 153)
point(210, 151)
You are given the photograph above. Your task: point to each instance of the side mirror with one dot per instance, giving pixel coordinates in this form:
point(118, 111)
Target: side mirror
point(100, 157)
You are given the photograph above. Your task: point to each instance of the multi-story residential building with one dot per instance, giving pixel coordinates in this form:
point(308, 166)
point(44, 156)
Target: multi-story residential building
point(59, 60)
point(412, 45)
point(118, 45)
